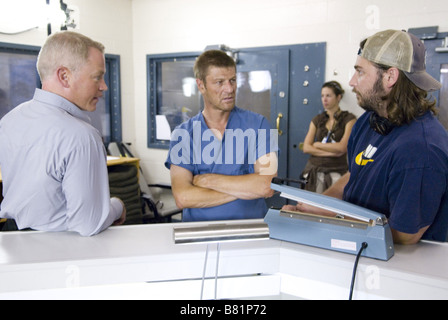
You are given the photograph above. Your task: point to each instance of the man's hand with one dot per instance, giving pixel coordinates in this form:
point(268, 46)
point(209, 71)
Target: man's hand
point(306, 208)
point(122, 219)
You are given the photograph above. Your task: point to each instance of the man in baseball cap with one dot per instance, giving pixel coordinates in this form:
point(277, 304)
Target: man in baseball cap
point(398, 150)
point(404, 51)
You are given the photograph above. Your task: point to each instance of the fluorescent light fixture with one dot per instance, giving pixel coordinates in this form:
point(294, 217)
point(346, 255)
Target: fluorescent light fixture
point(22, 15)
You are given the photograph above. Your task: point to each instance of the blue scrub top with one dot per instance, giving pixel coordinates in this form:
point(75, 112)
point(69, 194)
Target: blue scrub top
point(248, 136)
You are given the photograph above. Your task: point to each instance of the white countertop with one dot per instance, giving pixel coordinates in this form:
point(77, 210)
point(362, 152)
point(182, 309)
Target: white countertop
point(146, 254)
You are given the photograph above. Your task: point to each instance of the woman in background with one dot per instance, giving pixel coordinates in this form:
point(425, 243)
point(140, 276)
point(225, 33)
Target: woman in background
point(326, 141)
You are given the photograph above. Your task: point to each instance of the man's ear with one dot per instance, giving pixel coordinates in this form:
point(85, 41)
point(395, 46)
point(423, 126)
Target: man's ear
point(64, 75)
point(391, 77)
point(201, 85)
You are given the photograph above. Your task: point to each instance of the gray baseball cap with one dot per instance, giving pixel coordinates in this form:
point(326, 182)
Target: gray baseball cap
point(403, 51)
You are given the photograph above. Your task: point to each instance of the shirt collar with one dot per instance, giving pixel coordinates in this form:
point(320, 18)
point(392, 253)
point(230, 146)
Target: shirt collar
point(61, 103)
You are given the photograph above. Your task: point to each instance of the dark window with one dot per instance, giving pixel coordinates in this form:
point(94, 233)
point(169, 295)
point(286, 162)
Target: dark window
point(18, 75)
point(19, 79)
point(173, 96)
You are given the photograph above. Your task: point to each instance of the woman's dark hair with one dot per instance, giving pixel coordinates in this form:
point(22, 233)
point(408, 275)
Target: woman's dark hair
point(335, 86)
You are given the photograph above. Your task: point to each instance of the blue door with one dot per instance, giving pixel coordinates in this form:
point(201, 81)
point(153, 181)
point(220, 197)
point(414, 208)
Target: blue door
point(283, 84)
point(263, 88)
point(437, 66)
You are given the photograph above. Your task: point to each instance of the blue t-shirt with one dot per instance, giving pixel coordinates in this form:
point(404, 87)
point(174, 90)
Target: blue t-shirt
point(247, 137)
point(403, 175)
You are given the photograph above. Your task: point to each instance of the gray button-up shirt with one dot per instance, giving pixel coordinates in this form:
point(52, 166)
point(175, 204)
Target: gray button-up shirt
point(54, 170)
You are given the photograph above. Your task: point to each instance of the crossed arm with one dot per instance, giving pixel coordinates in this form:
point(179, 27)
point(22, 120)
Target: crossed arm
point(210, 190)
point(320, 149)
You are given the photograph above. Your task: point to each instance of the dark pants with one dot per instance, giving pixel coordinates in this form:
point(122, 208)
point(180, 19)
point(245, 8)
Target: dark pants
point(10, 225)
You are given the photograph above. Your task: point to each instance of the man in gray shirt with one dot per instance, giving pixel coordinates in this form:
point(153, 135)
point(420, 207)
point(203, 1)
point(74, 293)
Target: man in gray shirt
point(53, 161)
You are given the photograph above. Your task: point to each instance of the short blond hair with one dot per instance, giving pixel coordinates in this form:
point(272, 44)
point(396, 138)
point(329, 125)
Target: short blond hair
point(212, 58)
point(67, 48)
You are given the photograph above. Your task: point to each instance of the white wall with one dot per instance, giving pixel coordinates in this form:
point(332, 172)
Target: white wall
point(135, 28)
point(162, 26)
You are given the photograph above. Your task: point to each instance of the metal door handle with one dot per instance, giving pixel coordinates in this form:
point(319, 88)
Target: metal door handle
point(280, 132)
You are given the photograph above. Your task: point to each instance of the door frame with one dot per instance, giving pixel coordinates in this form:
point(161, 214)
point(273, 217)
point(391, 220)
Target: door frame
point(436, 55)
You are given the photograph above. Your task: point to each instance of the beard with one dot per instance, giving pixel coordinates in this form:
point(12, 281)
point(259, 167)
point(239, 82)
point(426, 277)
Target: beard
point(372, 100)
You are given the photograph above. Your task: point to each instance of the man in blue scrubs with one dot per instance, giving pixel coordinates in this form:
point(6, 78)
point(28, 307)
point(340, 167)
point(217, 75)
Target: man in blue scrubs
point(222, 160)
point(398, 150)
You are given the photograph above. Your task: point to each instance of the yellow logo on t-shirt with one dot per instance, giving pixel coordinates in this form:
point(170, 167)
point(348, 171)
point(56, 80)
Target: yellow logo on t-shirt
point(365, 157)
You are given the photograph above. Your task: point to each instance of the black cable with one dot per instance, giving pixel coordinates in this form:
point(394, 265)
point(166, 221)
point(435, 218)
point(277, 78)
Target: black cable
point(363, 246)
